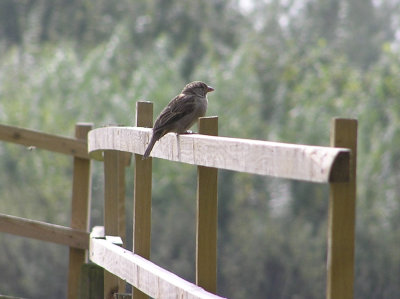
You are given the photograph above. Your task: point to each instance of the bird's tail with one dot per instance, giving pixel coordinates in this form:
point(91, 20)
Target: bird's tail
point(153, 140)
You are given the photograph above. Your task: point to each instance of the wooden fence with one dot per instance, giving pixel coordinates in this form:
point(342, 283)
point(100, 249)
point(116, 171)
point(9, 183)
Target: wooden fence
point(335, 165)
point(77, 235)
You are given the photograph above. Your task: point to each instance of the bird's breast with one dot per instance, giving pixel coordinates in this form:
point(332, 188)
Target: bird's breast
point(202, 107)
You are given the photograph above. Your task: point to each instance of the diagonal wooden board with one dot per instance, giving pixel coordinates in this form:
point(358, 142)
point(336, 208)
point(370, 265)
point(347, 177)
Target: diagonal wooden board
point(143, 274)
point(55, 143)
point(44, 231)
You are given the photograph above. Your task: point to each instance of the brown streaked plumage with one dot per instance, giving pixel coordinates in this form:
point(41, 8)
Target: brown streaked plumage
point(181, 112)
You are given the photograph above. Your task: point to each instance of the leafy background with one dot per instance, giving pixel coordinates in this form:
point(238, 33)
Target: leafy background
point(282, 70)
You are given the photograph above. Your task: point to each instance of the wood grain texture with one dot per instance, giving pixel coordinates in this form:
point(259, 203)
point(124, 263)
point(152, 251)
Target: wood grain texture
point(143, 274)
point(302, 162)
point(111, 211)
point(80, 209)
point(44, 231)
point(341, 222)
point(123, 157)
point(207, 216)
point(142, 194)
point(59, 144)
point(91, 282)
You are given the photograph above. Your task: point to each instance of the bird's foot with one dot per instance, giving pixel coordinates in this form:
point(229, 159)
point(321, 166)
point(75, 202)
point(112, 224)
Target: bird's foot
point(188, 132)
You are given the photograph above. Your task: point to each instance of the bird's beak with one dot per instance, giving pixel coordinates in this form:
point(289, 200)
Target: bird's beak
point(210, 89)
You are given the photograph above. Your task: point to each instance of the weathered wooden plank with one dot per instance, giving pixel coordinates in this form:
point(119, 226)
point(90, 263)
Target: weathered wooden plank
point(44, 231)
point(54, 143)
point(341, 223)
point(207, 216)
point(121, 196)
point(302, 162)
point(80, 210)
point(112, 165)
point(91, 282)
point(142, 194)
point(123, 158)
point(143, 274)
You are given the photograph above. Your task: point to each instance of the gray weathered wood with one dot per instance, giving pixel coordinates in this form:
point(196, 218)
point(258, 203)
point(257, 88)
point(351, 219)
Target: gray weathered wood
point(59, 144)
point(44, 231)
point(143, 274)
point(302, 162)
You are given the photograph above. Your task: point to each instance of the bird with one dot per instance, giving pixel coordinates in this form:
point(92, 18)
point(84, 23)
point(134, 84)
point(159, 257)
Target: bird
point(181, 112)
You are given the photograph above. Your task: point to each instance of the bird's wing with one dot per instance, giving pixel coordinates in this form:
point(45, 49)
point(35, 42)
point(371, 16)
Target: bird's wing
point(180, 106)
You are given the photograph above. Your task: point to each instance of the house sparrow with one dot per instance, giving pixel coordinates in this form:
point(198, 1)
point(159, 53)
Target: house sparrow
point(181, 113)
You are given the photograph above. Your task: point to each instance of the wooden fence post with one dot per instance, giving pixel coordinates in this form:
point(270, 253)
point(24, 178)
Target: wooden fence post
point(80, 210)
point(207, 216)
point(142, 193)
point(112, 170)
point(91, 282)
point(124, 161)
point(341, 225)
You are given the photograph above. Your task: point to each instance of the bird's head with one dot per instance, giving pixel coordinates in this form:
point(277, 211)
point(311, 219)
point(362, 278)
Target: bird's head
point(197, 88)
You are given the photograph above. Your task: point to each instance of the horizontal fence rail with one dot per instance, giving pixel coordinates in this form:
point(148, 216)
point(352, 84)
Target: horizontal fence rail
point(44, 231)
point(59, 144)
point(291, 161)
point(143, 274)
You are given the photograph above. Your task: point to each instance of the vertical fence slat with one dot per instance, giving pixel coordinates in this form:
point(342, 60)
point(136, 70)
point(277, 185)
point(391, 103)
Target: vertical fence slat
point(80, 210)
point(341, 225)
point(207, 216)
point(142, 193)
point(111, 201)
point(124, 161)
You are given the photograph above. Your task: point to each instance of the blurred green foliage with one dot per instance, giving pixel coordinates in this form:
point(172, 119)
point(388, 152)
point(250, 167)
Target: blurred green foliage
point(281, 69)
